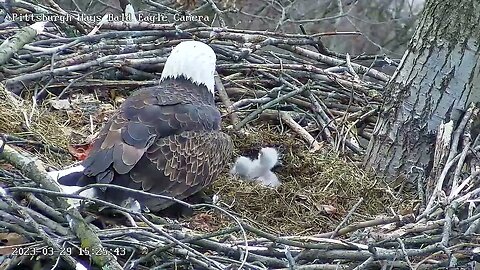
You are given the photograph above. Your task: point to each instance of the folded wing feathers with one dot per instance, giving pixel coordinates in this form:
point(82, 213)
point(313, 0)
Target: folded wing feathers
point(198, 155)
point(138, 141)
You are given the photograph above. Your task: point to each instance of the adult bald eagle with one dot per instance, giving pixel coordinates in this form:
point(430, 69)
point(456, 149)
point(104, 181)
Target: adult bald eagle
point(163, 139)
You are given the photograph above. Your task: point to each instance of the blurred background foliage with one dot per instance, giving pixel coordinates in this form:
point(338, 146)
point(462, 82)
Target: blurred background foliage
point(386, 25)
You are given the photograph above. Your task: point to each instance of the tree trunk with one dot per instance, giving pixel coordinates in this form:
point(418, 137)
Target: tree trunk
point(438, 78)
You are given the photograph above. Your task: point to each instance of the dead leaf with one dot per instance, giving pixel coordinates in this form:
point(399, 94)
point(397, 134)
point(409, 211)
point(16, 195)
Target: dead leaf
point(62, 104)
point(80, 151)
point(203, 222)
point(328, 209)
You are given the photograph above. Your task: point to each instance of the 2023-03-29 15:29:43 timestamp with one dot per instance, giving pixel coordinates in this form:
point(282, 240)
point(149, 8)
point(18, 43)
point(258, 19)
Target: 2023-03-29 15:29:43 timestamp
point(50, 251)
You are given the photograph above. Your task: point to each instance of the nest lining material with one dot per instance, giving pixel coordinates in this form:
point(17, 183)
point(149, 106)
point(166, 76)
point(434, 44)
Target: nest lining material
point(317, 188)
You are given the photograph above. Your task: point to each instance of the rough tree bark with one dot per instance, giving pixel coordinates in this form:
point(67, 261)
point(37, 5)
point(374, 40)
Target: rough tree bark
point(438, 78)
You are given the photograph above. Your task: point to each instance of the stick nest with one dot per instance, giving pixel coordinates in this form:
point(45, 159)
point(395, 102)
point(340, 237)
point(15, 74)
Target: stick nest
point(317, 107)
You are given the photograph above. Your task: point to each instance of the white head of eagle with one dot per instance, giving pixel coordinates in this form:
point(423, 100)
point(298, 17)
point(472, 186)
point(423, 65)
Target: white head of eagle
point(193, 60)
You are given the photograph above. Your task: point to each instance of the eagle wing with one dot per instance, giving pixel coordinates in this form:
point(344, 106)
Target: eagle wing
point(183, 164)
point(154, 138)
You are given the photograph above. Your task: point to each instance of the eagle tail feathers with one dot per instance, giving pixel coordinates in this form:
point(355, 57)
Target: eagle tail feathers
point(69, 176)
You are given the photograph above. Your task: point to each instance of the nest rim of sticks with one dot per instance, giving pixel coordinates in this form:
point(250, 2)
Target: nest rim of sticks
point(323, 98)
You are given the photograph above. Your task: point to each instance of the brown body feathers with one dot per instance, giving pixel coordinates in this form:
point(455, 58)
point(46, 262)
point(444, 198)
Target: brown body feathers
point(164, 139)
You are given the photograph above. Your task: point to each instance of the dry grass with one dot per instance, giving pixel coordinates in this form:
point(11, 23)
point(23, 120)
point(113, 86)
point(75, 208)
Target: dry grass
point(51, 127)
point(318, 188)
point(44, 126)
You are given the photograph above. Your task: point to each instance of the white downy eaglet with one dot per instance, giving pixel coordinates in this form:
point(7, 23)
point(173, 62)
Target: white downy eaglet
point(259, 169)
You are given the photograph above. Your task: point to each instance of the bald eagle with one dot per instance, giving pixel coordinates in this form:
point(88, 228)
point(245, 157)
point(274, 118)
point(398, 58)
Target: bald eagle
point(163, 139)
